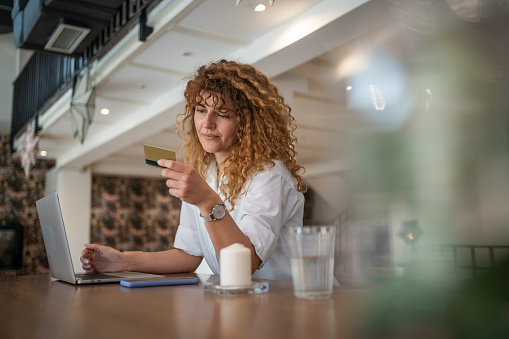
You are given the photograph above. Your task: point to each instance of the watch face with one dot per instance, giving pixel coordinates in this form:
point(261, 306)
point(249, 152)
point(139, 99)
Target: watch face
point(219, 211)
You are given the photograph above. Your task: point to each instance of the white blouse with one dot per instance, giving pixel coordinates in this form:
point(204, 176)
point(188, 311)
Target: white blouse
point(269, 206)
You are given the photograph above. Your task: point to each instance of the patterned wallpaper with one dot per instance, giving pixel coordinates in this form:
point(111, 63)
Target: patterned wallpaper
point(17, 206)
point(132, 214)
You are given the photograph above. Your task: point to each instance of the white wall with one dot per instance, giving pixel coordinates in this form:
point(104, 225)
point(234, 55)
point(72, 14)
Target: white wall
point(74, 189)
point(8, 61)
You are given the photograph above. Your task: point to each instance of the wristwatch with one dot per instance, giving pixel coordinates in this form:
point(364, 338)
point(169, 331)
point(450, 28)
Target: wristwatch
point(218, 213)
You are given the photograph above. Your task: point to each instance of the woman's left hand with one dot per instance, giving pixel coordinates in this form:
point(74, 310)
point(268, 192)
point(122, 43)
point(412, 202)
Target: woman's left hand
point(185, 183)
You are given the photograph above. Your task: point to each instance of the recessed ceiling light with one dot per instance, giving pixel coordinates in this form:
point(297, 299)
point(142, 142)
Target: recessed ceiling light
point(105, 111)
point(349, 88)
point(43, 153)
point(259, 8)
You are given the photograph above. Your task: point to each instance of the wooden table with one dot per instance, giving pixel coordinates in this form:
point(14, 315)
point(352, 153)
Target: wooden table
point(38, 307)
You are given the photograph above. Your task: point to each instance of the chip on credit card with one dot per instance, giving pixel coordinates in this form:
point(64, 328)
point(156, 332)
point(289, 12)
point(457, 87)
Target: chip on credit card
point(152, 154)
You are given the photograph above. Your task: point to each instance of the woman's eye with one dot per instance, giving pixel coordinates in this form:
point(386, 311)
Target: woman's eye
point(200, 110)
point(223, 114)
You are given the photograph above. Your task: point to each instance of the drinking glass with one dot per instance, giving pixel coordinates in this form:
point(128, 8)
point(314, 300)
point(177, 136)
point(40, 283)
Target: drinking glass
point(312, 260)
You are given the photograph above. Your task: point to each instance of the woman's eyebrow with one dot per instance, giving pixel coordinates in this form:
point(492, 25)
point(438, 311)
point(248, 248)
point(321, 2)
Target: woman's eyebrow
point(224, 108)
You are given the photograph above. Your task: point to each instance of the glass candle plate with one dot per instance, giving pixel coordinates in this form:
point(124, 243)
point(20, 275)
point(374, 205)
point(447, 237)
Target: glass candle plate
point(254, 288)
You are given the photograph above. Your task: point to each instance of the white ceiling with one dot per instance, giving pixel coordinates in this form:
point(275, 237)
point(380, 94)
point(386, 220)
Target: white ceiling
point(297, 43)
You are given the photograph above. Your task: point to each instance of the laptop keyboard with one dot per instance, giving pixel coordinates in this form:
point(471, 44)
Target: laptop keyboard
point(94, 276)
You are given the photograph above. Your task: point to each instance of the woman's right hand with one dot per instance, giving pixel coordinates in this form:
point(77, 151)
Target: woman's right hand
point(185, 183)
point(97, 258)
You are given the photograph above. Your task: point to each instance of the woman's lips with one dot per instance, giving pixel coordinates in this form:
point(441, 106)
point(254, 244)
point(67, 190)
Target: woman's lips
point(209, 136)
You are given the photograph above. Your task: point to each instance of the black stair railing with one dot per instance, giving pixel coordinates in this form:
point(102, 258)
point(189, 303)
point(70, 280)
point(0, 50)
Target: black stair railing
point(39, 84)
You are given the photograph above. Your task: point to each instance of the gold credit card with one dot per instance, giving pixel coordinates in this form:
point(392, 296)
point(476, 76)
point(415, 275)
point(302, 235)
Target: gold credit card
point(152, 154)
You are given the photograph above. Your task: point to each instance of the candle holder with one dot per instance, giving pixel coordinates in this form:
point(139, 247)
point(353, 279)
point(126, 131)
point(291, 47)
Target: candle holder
point(254, 288)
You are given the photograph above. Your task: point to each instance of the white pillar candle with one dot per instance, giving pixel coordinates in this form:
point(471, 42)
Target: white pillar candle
point(235, 264)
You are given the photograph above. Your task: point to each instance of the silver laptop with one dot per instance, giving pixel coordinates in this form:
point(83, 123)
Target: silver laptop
point(57, 248)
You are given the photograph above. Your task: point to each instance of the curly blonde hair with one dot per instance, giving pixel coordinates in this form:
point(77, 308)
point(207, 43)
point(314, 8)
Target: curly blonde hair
point(265, 126)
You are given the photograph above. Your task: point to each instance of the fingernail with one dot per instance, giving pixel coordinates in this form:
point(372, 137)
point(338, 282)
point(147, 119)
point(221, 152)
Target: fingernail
point(159, 162)
point(86, 261)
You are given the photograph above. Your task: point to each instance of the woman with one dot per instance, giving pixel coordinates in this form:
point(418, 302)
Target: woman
point(240, 182)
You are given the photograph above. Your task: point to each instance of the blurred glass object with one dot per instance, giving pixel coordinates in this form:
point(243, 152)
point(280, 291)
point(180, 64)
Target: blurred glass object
point(432, 147)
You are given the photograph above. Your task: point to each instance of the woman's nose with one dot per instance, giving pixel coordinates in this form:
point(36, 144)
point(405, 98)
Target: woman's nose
point(209, 121)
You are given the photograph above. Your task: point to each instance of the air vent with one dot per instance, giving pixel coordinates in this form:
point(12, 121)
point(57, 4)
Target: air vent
point(66, 38)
